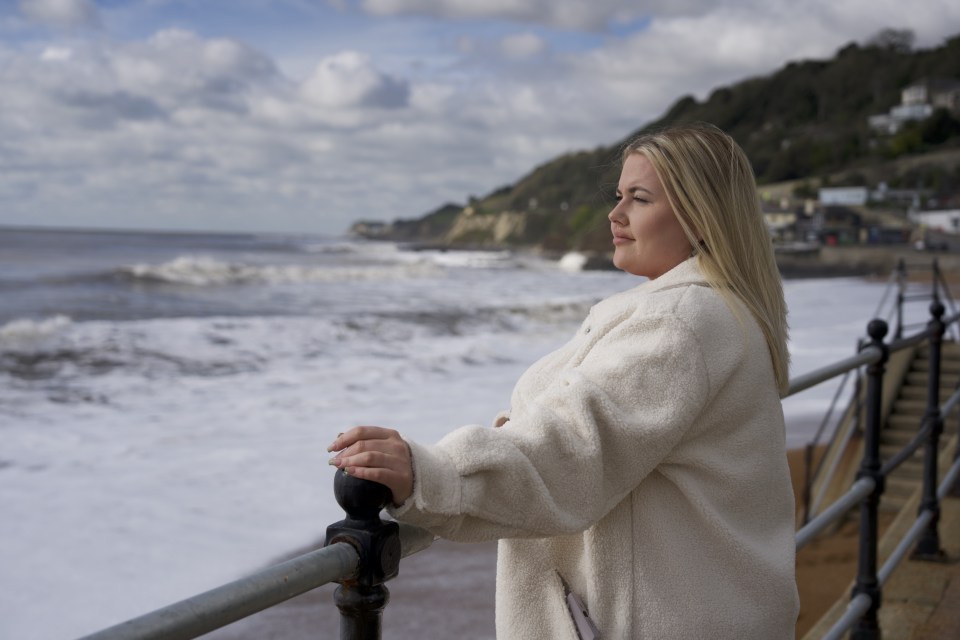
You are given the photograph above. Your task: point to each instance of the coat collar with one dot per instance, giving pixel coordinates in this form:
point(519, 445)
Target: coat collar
point(685, 273)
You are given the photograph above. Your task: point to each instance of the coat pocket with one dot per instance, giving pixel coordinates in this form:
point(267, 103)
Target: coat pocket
point(583, 627)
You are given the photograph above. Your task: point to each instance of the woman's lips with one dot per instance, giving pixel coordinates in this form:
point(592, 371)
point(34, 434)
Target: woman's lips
point(619, 238)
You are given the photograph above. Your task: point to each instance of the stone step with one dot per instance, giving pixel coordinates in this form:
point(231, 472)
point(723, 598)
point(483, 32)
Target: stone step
point(898, 437)
point(910, 405)
point(904, 422)
point(901, 487)
point(897, 493)
point(887, 451)
point(919, 392)
point(919, 379)
point(910, 470)
point(947, 347)
point(948, 368)
point(946, 373)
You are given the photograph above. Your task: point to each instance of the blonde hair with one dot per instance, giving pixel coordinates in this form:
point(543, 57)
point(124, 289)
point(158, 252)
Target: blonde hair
point(711, 187)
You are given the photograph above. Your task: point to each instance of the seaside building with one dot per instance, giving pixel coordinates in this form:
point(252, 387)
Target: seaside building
point(917, 102)
point(843, 196)
point(944, 220)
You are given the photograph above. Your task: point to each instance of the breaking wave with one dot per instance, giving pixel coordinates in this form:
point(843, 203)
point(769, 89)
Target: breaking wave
point(200, 271)
point(27, 333)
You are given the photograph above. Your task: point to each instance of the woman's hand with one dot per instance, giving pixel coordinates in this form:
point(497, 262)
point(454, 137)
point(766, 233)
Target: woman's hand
point(378, 454)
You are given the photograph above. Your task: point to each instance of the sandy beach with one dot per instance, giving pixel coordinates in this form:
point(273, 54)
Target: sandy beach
point(448, 591)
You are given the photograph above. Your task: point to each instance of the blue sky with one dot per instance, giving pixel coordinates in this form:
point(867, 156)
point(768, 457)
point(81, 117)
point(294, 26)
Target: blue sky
point(305, 115)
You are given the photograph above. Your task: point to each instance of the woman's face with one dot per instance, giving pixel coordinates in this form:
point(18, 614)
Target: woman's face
point(647, 237)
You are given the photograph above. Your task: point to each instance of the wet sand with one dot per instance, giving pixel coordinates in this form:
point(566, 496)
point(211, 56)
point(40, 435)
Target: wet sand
point(448, 591)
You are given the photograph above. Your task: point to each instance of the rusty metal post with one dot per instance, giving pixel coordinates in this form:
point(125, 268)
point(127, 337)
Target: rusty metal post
point(361, 601)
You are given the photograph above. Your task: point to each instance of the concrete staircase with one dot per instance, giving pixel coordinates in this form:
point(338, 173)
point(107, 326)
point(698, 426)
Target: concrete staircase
point(905, 419)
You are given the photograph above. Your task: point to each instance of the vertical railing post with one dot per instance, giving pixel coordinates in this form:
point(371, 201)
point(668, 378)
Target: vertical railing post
point(361, 600)
point(867, 583)
point(901, 288)
point(807, 480)
point(859, 394)
point(928, 546)
point(954, 491)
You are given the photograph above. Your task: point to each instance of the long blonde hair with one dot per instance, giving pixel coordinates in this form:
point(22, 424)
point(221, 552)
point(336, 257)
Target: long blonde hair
point(711, 187)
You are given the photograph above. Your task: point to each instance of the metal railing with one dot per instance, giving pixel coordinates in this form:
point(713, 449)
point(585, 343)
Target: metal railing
point(861, 616)
point(891, 309)
point(362, 551)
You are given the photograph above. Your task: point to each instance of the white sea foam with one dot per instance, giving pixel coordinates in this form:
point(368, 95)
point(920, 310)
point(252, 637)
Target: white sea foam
point(572, 261)
point(28, 333)
point(472, 259)
point(202, 271)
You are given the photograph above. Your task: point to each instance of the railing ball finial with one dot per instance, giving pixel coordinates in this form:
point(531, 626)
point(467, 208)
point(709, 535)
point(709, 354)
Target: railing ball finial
point(877, 329)
point(937, 309)
point(361, 499)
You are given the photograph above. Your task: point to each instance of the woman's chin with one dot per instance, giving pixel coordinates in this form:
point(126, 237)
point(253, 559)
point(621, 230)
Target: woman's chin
point(622, 261)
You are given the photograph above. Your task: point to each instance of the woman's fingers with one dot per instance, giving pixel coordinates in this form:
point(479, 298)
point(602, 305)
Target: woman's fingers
point(359, 434)
point(378, 454)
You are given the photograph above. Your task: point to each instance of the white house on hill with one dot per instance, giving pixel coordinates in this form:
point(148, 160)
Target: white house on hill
point(917, 102)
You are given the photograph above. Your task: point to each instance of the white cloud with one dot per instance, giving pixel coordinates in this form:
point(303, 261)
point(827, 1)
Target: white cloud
point(348, 79)
point(61, 13)
point(54, 54)
point(181, 130)
point(522, 45)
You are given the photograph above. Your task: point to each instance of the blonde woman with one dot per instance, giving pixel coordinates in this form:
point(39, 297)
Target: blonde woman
point(641, 466)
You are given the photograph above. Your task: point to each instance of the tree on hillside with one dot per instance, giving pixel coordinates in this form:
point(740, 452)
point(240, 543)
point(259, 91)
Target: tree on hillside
point(899, 40)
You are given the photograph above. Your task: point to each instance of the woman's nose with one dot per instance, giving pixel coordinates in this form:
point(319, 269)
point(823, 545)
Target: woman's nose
point(616, 215)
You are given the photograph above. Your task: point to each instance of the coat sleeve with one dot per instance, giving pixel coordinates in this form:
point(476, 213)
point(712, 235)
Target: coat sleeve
point(572, 451)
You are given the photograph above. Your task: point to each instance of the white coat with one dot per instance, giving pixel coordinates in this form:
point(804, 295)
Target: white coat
point(643, 462)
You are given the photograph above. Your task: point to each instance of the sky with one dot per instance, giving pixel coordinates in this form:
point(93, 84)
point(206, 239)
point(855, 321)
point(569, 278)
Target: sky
point(298, 116)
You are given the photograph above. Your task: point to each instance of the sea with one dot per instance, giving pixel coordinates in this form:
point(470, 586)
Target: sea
point(166, 399)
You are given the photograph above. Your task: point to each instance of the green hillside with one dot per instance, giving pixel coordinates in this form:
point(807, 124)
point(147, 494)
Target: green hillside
point(806, 121)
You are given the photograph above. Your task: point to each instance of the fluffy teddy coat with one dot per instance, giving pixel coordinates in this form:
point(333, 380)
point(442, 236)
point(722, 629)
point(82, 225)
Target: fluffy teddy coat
point(644, 463)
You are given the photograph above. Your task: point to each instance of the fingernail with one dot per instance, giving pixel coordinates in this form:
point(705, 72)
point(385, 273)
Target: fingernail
point(345, 472)
point(333, 462)
point(333, 445)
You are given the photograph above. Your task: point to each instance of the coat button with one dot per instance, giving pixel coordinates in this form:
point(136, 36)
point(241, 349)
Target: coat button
point(586, 330)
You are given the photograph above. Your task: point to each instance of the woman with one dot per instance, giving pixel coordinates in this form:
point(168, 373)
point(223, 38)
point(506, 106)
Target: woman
point(642, 465)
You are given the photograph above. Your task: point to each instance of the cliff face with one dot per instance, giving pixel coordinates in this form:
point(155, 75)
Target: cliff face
point(542, 228)
point(504, 228)
point(431, 228)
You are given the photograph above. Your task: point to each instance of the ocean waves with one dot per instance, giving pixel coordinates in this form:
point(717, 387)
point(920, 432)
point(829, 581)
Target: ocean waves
point(207, 271)
point(203, 271)
point(45, 354)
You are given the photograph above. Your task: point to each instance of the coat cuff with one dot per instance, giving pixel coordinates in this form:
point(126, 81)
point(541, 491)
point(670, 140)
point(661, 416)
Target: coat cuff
point(436, 487)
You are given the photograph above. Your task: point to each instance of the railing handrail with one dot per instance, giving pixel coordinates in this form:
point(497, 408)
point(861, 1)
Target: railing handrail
point(839, 508)
point(233, 601)
point(343, 558)
point(868, 355)
point(220, 606)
